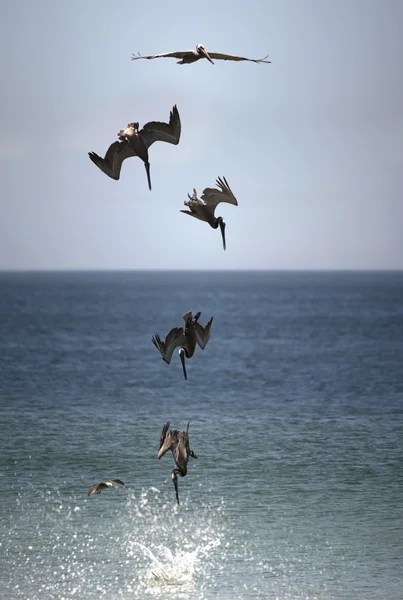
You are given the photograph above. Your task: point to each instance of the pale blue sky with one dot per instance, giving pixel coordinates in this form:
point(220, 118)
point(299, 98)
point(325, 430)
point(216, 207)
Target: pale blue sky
point(311, 145)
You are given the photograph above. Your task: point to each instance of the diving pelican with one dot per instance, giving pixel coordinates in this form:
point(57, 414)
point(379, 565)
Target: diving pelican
point(185, 337)
point(178, 443)
point(204, 208)
point(136, 143)
point(103, 485)
point(190, 56)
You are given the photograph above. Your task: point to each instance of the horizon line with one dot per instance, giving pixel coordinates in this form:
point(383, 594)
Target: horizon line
point(157, 270)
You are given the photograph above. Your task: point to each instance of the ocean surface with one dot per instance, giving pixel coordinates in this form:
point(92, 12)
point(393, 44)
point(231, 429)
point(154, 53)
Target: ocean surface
point(296, 415)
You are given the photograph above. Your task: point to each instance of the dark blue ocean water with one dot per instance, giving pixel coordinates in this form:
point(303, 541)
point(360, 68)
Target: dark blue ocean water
point(296, 415)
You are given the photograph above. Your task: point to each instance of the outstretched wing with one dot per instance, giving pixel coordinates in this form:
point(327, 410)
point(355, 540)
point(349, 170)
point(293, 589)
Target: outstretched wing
point(114, 157)
point(213, 196)
point(219, 56)
point(115, 481)
point(174, 339)
point(155, 131)
point(202, 333)
point(97, 487)
point(178, 54)
point(192, 214)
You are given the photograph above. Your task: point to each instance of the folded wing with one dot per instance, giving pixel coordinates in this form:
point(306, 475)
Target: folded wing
point(165, 441)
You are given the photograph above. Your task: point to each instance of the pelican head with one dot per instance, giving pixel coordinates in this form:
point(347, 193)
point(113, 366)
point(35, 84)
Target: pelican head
point(182, 354)
point(220, 222)
point(200, 49)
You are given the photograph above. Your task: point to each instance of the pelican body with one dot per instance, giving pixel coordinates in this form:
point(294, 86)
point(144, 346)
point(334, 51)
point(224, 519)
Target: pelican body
point(103, 485)
point(136, 143)
point(190, 56)
point(204, 207)
point(178, 443)
point(185, 338)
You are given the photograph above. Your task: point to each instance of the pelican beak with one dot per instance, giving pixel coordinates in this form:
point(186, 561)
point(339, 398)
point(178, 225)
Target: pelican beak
point(175, 481)
point(182, 356)
point(147, 166)
point(222, 227)
point(206, 55)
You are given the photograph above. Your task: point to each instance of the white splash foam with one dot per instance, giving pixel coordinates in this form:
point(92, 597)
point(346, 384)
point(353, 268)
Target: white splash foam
point(175, 568)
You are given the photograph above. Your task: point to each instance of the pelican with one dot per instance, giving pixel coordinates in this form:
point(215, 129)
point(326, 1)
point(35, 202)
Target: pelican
point(178, 443)
point(190, 56)
point(136, 143)
point(185, 337)
point(103, 485)
point(204, 208)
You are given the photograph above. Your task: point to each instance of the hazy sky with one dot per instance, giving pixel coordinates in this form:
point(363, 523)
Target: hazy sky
point(311, 145)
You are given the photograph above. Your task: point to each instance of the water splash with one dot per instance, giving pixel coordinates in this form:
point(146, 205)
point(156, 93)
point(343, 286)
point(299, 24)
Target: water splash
point(174, 547)
point(175, 568)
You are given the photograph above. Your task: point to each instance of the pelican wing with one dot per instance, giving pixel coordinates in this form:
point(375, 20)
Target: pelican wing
point(174, 339)
point(164, 434)
point(219, 56)
point(155, 131)
point(202, 333)
point(178, 54)
point(192, 213)
point(213, 196)
point(165, 440)
point(114, 157)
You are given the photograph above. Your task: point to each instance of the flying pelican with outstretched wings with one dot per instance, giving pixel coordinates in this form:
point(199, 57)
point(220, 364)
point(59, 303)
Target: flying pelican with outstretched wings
point(103, 485)
point(178, 443)
point(136, 143)
point(190, 56)
point(204, 207)
point(185, 338)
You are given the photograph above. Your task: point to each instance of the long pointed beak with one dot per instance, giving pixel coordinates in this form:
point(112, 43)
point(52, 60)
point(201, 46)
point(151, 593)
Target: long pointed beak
point(222, 227)
point(182, 355)
point(176, 489)
point(206, 55)
point(147, 166)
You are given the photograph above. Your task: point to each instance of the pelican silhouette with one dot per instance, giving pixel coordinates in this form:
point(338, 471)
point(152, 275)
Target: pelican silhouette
point(190, 56)
point(103, 485)
point(136, 143)
point(185, 337)
point(178, 443)
point(204, 207)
